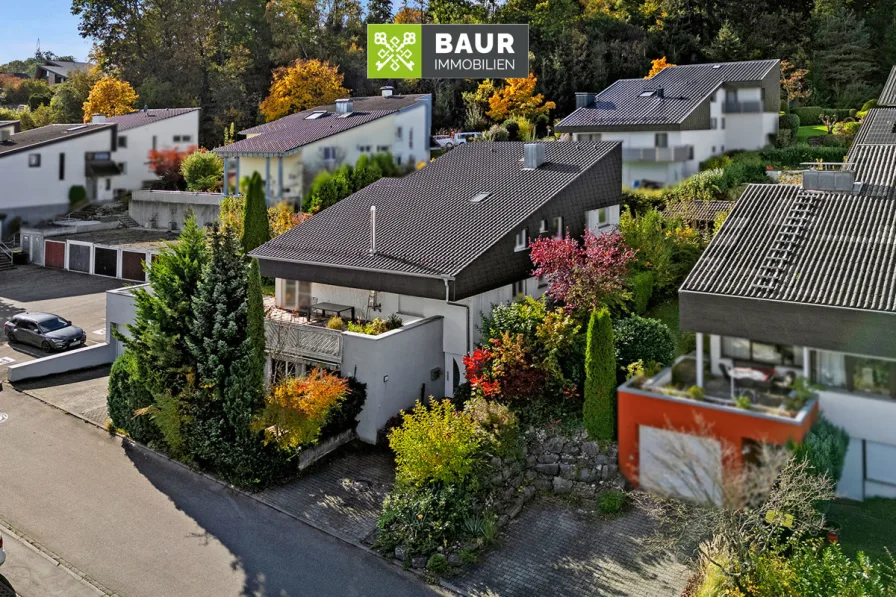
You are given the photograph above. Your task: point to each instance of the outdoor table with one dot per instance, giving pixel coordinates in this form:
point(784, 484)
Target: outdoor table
point(333, 308)
point(748, 373)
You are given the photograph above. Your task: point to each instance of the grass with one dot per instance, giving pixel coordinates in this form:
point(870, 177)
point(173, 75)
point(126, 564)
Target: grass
point(267, 289)
point(668, 313)
point(867, 526)
point(805, 132)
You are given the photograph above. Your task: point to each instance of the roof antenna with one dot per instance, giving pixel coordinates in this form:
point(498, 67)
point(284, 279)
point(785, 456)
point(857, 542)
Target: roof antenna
point(373, 229)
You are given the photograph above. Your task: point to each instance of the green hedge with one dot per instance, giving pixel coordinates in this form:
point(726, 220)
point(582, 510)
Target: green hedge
point(785, 107)
point(641, 339)
point(824, 448)
point(599, 412)
point(809, 115)
point(791, 157)
point(642, 290)
point(126, 395)
point(789, 122)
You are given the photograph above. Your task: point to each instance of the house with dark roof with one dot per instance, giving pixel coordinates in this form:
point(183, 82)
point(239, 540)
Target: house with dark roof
point(8, 127)
point(39, 167)
point(290, 151)
point(436, 249)
point(800, 281)
point(700, 214)
point(682, 116)
point(145, 130)
point(55, 72)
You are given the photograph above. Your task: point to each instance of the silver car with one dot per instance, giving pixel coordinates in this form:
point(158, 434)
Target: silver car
point(46, 331)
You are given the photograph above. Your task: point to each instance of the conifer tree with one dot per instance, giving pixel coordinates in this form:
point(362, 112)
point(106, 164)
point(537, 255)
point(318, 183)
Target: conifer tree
point(256, 226)
point(599, 412)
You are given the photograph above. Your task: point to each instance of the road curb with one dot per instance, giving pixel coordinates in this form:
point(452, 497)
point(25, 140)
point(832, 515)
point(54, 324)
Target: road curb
point(152, 452)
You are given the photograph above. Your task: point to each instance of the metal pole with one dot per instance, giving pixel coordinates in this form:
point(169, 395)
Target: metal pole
point(700, 359)
point(267, 180)
point(280, 177)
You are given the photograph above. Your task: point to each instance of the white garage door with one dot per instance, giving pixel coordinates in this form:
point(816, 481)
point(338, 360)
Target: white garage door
point(679, 464)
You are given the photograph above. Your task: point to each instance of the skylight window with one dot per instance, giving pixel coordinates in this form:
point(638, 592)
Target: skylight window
point(647, 93)
point(344, 115)
point(315, 115)
point(480, 197)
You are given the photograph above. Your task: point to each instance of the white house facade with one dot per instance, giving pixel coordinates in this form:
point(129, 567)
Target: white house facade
point(40, 166)
point(146, 130)
point(684, 115)
point(288, 153)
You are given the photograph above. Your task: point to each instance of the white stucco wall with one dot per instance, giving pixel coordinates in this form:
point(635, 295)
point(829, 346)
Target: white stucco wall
point(139, 142)
point(37, 194)
point(397, 367)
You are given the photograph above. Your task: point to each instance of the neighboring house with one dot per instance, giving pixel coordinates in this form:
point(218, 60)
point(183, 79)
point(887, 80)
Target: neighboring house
point(442, 246)
point(682, 116)
point(142, 131)
point(700, 214)
point(7, 128)
point(55, 72)
point(800, 280)
point(38, 168)
point(289, 152)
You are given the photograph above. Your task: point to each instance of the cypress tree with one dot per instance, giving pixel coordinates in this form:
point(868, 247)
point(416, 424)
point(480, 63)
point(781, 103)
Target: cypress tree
point(256, 226)
point(255, 323)
point(599, 412)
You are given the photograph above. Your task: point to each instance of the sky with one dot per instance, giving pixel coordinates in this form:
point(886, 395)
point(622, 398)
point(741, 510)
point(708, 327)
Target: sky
point(24, 21)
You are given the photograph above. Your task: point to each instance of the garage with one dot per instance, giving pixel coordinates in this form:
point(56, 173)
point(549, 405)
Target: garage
point(105, 261)
point(54, 254)
point(132, 265)
point(680, 464)
point(79, 257)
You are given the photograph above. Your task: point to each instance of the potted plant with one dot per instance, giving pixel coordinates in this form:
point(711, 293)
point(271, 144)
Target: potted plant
point(833, 531)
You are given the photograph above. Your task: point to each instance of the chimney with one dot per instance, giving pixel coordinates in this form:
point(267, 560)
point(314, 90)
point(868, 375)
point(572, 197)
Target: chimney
point(584, 99)
point(533, 155)
point(4, 135)
point(387, 90)
point(373, 229)
point(660, 92)
point(98, 119)
point(344, 106)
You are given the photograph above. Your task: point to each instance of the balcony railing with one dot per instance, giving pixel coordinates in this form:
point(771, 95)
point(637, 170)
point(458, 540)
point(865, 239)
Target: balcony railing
point(681, 153)
point(747, 107)
point(300, 340)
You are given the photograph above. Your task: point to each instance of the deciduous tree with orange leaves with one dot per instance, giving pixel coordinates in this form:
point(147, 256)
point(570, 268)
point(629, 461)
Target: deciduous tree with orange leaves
point(658, 65)
point(110, 97)
point(303, 85)
point(518, 99)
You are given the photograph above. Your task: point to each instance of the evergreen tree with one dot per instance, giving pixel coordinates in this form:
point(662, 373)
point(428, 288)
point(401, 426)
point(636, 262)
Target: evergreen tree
point(727, 46)
point(255, 323)
point(256, 226)
point(379, 11)
point(599, 412)
point(841, 61)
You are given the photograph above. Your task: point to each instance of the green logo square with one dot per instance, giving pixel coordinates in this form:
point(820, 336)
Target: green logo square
point(394, 51)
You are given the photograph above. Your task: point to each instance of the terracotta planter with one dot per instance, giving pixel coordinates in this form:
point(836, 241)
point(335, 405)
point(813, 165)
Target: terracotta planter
point(833, 533)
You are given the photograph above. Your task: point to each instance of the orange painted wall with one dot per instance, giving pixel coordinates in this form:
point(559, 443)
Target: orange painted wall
point(727, 425)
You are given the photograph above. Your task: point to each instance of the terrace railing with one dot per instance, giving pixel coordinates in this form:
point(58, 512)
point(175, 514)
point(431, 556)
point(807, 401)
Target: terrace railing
point(301, 340)
point(746, 107)
point(681, 153)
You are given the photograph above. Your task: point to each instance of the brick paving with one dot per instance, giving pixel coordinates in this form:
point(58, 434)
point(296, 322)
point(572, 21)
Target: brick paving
point(553, 550)
point(341, 494)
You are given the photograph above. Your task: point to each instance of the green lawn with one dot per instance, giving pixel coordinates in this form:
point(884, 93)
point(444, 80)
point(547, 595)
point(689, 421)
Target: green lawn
point(867, 526)
point(811, 131)
point(668, 313)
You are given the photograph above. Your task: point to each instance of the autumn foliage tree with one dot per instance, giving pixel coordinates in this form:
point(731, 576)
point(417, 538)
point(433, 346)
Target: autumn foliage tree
point(656, 66)
point(518, 99)
point(166, 164)
point(793, 82)
point(297, 408)
point(303, 85)
point(110, 97)
point(583, 276)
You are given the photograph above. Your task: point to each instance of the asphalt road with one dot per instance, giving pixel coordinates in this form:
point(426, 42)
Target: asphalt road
point(77, 297)
point(142, 526)
point(28, 573)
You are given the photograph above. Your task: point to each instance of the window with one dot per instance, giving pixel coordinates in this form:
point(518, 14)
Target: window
point(398, 160)
point(542, 227)
point(647, 93)
point(315, 115)
point(603, 216)
point(558, 227)
point(732, 96)
point(760, 352)
point(296, 294)
point(854, 373)
point(398, 132)
point(154, 141)
point(519, 288)
point(522, 240)
point(382, 148)
point(186, 138)
point(713, 98)
point(364, 148)
point(595, 137)
point(108, 184)
point(713, 123)
point(411, 138)
point(762, 93)
point(329, 154)
point(122, 141)
point(713, 148)
point(34, 160)
point(690, 152)
point(723, 125)
point(542, 281)
point(662, 140)
point(61, 166)
point(123, 166)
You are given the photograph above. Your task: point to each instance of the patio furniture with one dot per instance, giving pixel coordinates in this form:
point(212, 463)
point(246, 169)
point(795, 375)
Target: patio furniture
point(747, 373)
point(784, 382)
point(333, 308)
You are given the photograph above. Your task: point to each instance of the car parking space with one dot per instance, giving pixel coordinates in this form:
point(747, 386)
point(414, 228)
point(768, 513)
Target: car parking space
point(76, 297)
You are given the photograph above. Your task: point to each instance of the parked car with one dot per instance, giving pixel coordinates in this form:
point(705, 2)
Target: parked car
point(465, 137)
point(2, 553)
point(446, 141)
point(449, 141)
point(46, 331)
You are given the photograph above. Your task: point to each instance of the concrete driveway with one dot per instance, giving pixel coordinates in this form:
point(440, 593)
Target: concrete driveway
point(77, 297)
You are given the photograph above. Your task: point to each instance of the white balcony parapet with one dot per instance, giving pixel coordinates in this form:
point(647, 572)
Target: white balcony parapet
point(681, 153)
point(301, 340)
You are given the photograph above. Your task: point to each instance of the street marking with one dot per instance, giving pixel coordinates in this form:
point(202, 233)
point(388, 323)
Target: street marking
point(7, 360)
point(101, 332)
point(3, 417)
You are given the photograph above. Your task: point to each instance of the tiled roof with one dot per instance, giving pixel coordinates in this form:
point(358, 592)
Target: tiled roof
point(48, 134)
point(359, 104)
point(833, 249)
point(285, 137)
point(684, 88)
point(142, 118)
point(63, 68)
point(697, 211)
point(888, 95)
point(426, 222)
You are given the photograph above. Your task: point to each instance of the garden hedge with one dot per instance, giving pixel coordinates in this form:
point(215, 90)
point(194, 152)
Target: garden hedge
point(599, 412)
point(642, 339)
point(642, 290)
point(127, 395)
point(785, 107)
point(791, 157)
point(809, 115)
point(824, 448)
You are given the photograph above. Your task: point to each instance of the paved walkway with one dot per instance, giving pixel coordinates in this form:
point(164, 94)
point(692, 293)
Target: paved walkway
point(80, 392)
point(552, 550)
point(342, 494)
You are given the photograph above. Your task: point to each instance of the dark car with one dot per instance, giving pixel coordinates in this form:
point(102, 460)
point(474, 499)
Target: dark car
point(44, 330)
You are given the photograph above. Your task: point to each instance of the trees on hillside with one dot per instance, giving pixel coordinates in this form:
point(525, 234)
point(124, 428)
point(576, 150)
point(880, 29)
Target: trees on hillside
point(110, 97)
point(302, 85)
point(256, 227)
